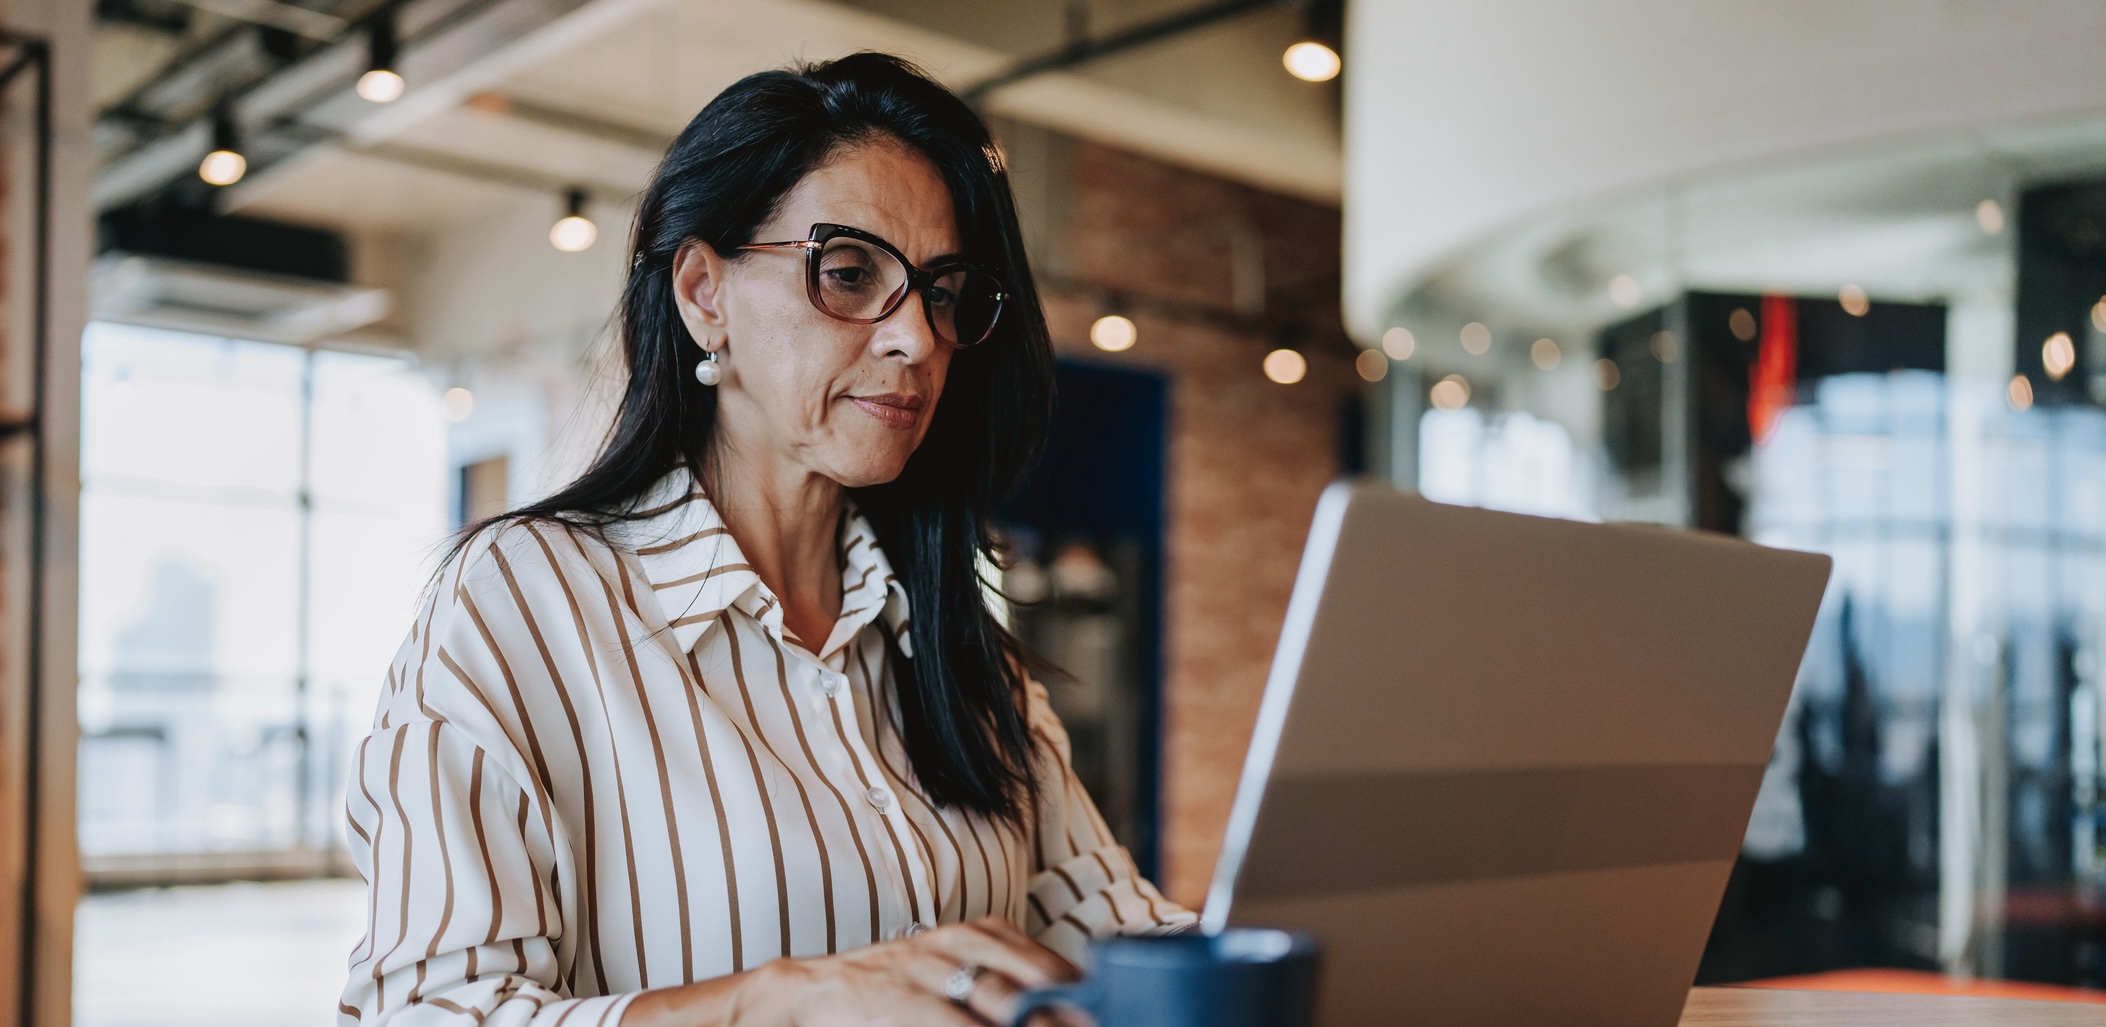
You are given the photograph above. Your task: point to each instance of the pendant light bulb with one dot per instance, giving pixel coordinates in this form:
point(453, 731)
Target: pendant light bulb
point(1312, 61)
point(381, 83)
point(224, 165)
point(573, 232)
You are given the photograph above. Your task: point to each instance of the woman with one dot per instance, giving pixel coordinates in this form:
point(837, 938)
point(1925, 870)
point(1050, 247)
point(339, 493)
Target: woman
point(724, 732)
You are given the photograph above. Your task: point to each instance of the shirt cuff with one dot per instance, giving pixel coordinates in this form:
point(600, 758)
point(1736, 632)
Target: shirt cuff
point(1096, 895)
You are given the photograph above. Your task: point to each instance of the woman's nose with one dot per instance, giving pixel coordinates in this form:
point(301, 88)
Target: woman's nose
point(906, 333)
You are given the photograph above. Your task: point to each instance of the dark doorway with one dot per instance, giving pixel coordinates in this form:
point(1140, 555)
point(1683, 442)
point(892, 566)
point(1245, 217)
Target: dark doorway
point(1085, 541)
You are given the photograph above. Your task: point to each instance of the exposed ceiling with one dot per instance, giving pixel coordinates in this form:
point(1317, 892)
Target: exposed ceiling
point(508, 96)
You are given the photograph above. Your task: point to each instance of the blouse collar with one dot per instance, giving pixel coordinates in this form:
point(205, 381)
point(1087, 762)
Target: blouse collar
point(696, 571)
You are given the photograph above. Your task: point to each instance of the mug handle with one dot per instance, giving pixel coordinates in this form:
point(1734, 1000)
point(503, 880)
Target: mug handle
point(1071, 996)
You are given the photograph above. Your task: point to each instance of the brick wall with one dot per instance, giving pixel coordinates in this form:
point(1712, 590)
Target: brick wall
point(1215, 275)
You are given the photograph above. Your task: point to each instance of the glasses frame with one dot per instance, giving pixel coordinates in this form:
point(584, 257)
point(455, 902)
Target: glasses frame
point(919, 280)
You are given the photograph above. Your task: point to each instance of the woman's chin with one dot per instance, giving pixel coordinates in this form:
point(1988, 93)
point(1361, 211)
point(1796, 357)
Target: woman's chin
point(868, 471)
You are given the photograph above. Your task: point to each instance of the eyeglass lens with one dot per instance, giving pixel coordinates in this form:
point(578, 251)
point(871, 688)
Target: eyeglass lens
point(862, 282)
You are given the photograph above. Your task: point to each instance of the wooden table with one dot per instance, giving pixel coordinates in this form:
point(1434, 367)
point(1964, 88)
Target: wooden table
point(1759, 1007)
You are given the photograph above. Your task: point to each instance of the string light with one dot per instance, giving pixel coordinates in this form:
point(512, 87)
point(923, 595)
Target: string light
point(1476, 339)
point(1664, 348)
point(1545, 354)
point(458, 403)
point(1990, 215)
point(381, 83)
point(1624, 292)
point(224, 165)
point(1853, 300)
point(573, 232)
point(1372, 365)
point(1742, 324)
point(1398, 343)
point(1450, 393)
point(2058, 355)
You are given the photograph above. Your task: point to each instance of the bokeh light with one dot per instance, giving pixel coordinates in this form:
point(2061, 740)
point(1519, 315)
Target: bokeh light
point(1398, 344)
point(1114, 333)
point(1285, 366)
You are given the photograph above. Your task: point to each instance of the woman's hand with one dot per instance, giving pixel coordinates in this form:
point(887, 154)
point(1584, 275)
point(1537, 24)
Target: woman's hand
point(902, 982)
point(899, 983)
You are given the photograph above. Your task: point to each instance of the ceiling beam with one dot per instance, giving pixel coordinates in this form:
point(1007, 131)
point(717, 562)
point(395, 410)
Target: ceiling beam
point(458, 47)
point(275, 14)
point(579, 124)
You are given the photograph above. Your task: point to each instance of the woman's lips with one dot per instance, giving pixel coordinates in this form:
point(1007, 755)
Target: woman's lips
point(893, 409)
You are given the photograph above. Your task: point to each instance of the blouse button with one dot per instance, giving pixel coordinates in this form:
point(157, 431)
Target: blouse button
point(832, 684)
point(880, 798)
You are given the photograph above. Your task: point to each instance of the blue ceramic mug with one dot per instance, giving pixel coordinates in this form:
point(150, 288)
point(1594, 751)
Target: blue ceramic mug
point(1242, 977)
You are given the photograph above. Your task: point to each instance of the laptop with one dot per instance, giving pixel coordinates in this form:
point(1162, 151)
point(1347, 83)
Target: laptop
point(1504, 763)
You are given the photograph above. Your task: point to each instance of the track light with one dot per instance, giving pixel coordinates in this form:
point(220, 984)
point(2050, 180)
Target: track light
point(224, 165)
point(573, 231)
point(381, 83)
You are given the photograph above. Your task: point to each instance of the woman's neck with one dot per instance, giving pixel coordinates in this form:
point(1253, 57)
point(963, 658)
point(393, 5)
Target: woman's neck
point(787, 521)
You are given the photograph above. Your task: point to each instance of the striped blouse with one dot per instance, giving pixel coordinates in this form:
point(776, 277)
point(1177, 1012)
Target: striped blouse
point(601, 767)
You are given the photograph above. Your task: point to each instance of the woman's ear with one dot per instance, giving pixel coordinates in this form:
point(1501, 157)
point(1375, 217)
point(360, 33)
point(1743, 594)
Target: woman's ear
point(698, 290)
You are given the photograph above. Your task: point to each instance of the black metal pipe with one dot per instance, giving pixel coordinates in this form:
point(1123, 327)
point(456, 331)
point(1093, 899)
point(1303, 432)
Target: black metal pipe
point(35, 52)
point(15, 67)
point(126, 107)
point(1086, 50)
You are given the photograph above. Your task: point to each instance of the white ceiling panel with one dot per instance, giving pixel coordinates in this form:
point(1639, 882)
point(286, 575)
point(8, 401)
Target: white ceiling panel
point(357, 192)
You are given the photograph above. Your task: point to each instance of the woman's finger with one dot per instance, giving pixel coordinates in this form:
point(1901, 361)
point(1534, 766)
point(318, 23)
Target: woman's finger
point(929, 971)
point(995, 996)
point(1056, 963)
point(991, 955)
point(907, 991)
point(997, 945)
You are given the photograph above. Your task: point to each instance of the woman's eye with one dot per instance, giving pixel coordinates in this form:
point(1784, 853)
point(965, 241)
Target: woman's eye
point(848, 277)
point(939, 296)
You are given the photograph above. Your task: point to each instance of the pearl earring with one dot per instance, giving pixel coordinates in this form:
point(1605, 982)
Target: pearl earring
point(707, 372)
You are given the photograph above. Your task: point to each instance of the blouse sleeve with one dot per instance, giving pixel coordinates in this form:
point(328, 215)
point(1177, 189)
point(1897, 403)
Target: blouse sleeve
point(1085, 884)
point(462, 856)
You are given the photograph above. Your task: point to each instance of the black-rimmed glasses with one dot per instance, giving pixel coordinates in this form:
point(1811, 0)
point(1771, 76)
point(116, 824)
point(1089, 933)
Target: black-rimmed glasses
point(852, 275)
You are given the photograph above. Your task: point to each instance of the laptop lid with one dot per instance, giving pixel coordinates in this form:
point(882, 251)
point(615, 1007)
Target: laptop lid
point(1504, 763)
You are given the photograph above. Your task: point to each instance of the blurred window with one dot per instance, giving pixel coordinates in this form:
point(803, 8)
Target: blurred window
point(1511, 461)
point(255, 522)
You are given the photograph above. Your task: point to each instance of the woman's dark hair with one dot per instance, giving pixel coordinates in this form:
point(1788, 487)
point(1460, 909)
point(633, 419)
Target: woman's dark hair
point(961, 695)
